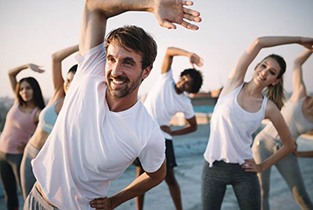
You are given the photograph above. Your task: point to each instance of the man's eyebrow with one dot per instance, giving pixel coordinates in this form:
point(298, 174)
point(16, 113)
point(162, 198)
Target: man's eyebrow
point(129, 60)
point(109, 56)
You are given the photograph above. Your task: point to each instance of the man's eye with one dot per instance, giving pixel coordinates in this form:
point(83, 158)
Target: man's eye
point(128, 63)
point(110, 59)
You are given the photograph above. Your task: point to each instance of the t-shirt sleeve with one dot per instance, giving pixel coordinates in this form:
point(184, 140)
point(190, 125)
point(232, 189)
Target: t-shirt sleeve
point(188, 110)
point(168, 75)
point(153, 154)
point(93, 62)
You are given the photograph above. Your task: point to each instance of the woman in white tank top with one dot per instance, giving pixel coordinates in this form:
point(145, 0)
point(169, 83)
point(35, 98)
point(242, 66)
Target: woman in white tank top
point(237, 115)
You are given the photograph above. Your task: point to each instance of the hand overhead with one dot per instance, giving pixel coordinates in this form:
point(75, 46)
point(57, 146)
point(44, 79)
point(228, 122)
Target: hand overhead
point(196, 60)
point(36, 68)
point(307, 43)
point(173, 12)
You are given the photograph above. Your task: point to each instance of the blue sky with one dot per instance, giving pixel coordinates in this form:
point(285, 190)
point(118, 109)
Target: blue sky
point(32, 30)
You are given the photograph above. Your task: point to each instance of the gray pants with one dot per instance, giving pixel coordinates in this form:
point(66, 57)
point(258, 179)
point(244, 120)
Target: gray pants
point(35, 201)
point(27, 177)
point(263, 147)
point(215, 180)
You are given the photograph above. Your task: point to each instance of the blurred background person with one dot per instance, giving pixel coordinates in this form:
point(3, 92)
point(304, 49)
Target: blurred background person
point(298, 114)
point(20, 124)
point(165, 100)
point(47, 116)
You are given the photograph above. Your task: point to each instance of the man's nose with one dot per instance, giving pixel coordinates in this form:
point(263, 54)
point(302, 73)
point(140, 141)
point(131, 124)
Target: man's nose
point(116, 69)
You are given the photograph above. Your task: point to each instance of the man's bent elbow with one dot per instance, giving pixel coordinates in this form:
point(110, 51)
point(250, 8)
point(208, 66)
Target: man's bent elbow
point(292, 147)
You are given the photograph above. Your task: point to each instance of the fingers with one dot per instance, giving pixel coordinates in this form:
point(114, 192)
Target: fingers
point(100, 204)
point(188, 3)
point(200, 62)
point(251, 166)
point(191, 15)
point(167, 24)
point(184, 23)
point(174, 13)
point(39, 69)
point(189, 26)
point(248, 167)
point(36, 68)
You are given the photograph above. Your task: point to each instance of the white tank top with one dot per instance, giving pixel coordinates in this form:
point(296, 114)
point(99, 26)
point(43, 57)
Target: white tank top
point(295, 119)
point(231, 130)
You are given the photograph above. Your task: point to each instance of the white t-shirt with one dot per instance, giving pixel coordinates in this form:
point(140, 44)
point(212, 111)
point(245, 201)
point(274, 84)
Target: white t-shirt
point(231, 130)
point(162, 102)
point(90, 146)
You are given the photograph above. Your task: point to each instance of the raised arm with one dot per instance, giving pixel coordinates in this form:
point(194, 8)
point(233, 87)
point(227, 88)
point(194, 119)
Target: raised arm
point(189, 128)
point(275, 116)
point(237, 75)
point(97, 12)
point(57, 59)
point(173, 51)
point(299, 89)
point(15, 71)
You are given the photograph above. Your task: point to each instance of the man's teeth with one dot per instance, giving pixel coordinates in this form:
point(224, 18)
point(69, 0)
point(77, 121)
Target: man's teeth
point(117, 81)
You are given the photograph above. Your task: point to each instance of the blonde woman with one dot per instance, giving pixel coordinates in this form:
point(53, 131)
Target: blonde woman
point(238, 113)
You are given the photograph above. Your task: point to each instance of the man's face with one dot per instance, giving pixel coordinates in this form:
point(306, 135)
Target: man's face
point(184, 84)
point(123, 71)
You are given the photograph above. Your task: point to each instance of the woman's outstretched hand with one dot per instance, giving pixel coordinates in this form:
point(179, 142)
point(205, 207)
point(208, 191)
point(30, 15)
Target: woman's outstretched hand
point(36, 68)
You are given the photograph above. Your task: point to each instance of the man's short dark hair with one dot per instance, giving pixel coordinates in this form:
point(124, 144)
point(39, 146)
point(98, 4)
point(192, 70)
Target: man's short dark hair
point(196, 77)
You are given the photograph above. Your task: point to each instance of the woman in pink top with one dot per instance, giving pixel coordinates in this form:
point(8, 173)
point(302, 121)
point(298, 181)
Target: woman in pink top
point(21, 122)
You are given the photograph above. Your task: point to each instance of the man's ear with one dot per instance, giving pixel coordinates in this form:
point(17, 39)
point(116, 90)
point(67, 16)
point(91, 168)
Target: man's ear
point(146, 72)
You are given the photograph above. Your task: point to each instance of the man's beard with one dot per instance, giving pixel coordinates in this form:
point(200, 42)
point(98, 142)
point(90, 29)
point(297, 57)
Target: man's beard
point(127, 87)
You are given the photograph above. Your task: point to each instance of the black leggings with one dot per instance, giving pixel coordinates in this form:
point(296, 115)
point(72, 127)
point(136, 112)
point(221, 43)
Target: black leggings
point(10, 176)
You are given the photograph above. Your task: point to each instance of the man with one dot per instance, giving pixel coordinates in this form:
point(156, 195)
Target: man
point(102, 127)
point(165, 100)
